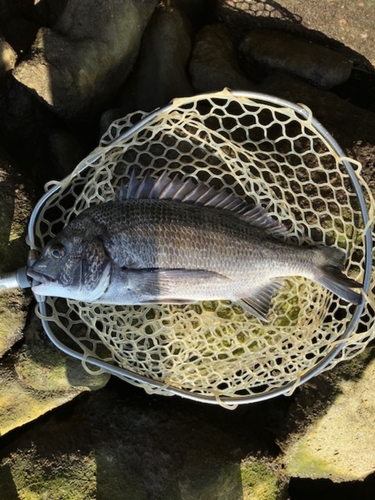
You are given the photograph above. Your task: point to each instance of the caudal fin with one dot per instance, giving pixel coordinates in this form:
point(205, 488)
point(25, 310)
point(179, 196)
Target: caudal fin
point(331, 277)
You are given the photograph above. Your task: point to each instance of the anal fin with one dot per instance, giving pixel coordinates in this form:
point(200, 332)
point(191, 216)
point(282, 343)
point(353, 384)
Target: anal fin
point(258, 302)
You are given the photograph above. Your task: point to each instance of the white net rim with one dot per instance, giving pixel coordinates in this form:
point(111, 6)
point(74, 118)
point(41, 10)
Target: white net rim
point(233, 401)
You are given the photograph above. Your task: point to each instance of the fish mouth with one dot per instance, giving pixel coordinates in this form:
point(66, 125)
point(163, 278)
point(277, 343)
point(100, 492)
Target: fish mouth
point(41, 277)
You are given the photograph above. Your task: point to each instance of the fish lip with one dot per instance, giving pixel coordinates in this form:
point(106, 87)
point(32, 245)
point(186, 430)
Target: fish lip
point(42, 278)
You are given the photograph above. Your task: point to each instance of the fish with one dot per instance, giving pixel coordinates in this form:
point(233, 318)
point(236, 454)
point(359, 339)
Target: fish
point(175, 241)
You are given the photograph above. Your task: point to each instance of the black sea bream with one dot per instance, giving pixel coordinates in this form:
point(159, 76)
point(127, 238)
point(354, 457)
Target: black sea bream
point(173, 241)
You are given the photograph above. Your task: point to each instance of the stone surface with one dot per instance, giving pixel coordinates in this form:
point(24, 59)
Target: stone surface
point(80, 63)
point(66, 150)
point(160, 72)
point(348, 22)
point(213, 64)
point(277, 50)
point(312, 22)
point(15, 209)
point(341, 444)
point(110, 445)
point(25, 125)
point(38, 378)
point(199, 12)
point(8, 57)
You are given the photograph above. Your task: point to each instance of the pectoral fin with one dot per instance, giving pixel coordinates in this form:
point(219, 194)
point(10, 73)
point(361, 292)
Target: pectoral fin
point(258, 303)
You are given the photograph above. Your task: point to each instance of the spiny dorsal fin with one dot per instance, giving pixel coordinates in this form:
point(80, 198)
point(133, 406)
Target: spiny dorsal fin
point(187, 191)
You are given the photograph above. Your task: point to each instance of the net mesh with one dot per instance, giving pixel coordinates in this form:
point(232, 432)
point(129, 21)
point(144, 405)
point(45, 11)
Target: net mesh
point(268, 153)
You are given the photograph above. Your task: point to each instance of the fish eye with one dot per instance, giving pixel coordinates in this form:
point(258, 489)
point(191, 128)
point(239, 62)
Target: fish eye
point(57, 251)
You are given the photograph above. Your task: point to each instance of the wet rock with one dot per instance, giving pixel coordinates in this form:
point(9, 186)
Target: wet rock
point(8, 57)
point(213, 64)
point(80, 63)
point(15, 209)
point(160, 72)
point(282, 51)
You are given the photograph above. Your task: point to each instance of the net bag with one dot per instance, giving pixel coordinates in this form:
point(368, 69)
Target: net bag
point(269, 152)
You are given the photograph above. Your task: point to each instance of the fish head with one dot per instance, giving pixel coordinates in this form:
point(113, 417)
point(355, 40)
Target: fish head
point(72, 266)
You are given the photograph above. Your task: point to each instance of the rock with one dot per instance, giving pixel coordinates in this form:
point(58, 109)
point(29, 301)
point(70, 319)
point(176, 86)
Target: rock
point(8, 58)
point(340, 445)
point(47, 12)
point(199, 12)
point(213, 64)
point(160, 72)
point(81, 63)
point(350, 23)
point(28, 144)
point(66, 151)
point(327, 25)
point(41, 379)
point(117, 444)
point(15, 209)
point(277, 50)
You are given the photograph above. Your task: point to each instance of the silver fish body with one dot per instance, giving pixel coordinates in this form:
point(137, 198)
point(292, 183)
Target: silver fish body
point(148, 247)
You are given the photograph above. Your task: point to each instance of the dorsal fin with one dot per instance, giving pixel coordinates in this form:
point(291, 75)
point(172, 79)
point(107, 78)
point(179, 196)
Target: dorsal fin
point(187, 191)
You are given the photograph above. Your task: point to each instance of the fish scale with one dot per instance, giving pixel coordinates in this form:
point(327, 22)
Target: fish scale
point(179, 235)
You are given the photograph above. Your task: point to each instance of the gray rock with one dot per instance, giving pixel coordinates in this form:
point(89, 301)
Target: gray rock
point(351, 23)
point(213, 64)
point(66, 151)
point(346, 30)
point(8, 57)
point(47, 12)
point(277, 50)
point(160, 72)
point(81, 63)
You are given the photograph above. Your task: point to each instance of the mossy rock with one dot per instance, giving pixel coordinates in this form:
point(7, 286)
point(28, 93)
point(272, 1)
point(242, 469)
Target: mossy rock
point(15, 210)
point(260, 482)
point(64, 477)
point(13, 312)
point(340, 443)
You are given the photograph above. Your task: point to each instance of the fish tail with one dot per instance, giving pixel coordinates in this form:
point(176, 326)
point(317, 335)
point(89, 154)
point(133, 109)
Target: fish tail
point(330, 275)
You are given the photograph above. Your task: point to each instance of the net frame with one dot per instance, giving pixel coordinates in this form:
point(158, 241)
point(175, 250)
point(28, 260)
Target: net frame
point(109, 141)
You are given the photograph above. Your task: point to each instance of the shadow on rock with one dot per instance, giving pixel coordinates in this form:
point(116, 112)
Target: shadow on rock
point(122, 444)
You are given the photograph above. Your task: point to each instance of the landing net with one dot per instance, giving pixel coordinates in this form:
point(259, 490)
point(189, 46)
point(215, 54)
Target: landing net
point(265, 150)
